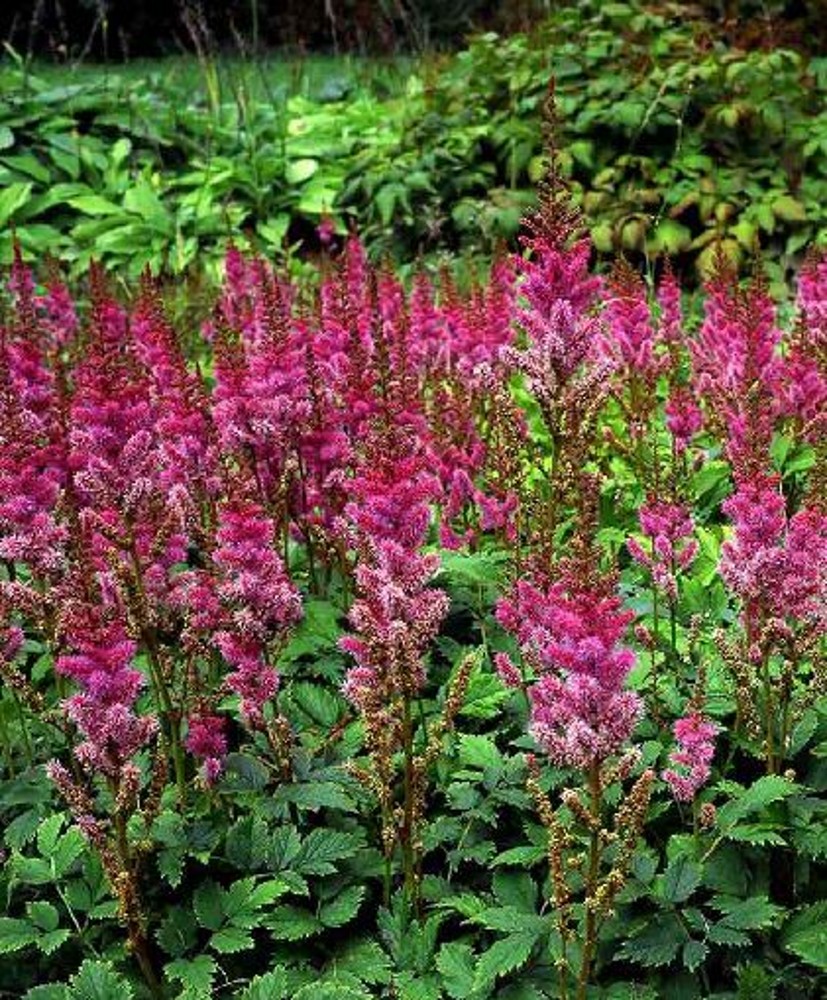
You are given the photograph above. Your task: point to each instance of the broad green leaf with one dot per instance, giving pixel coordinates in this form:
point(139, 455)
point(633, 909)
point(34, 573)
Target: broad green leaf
point(299, 171)
point(455, 962)
point(231, 939)
point(195, 975)
point(681, 879)
point(13, 198)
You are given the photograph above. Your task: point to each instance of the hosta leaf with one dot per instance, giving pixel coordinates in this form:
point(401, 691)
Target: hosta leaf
point(502, 957)
point(99, 981)
point(298, 171)
point(12, 198)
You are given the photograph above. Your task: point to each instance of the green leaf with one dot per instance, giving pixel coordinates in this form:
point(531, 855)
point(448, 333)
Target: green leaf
point(765, 791)
point(366, 959)
point(43, 915)
point(69, 848)
point(272, 986)
point(479, 752)
point(485, 694)
point(16, 934)
point(657, 943)
point(298, 171)
point(754, 913)
point(321, 706)
point(524, 856)
point(177, 933)
point(502, 957)
point(51, 941)
point(292, 923)
point(805, 935)
point(681, 879)
point(322, 848)
point(343, 908)
point(229, 940)
point(54, 991)
point(6, 137)
point(196, 975)
point(12, 198)
point(208, 903)
point(98, 981)
point(48, 832)
point(455, 963)
point(314, 795)
point(516, 889)
point(94, 204)
point(694, 954)
point(788, 209)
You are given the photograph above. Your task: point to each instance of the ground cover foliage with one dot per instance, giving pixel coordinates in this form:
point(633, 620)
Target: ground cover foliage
point(678, 139)
point(376, 640)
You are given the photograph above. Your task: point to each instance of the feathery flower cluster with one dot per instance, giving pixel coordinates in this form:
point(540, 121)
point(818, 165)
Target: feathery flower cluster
point(670, 528)
point(691, 765)
point(571, 637)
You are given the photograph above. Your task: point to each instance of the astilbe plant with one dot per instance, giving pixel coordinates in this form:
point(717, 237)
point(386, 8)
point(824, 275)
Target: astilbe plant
point(774, 563)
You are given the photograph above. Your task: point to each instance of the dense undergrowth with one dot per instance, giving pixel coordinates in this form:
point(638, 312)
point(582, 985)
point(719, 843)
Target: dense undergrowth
point(414, 643)
point(676, 142)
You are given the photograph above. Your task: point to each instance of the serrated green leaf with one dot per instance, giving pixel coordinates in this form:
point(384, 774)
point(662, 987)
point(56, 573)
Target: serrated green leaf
point(292, 923)
point(208, 904)
point(657, 943)
point(229, 940)
point(524, 856)
point(195, 975)
point(768, 789)
point(681, 879)
point(285, 847)
point(52, 940)
point(177, 933)
point(16, 934)
point(694, 954)
point(97, 980)
point(366, 959)
point(311, 796)
point(272, 986)
point(805, 935)
point(70, 846)
point(343, 908)
point(322, 848)
point(755, 833)
point(54, 991)
point(754, 913)
point(479, 752)
point(455, 963)
point(515, 889)
point(503, 957)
